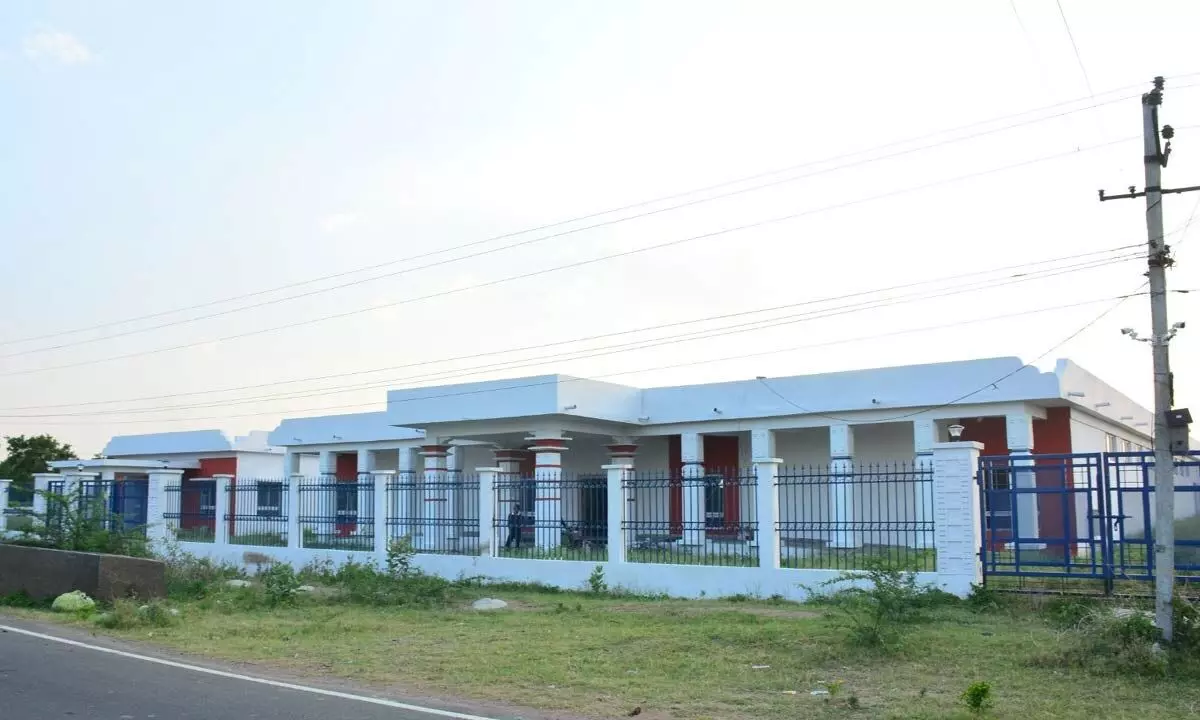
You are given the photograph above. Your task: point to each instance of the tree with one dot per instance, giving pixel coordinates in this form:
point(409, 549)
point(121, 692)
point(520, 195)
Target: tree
point(29, 455)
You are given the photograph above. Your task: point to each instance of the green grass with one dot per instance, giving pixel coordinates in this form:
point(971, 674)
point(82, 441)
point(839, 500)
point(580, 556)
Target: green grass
point(196, 534)
point(580, 654)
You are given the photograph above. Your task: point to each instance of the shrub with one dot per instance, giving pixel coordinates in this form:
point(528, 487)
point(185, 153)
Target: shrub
point(279, 584)
point(400, 553)
point(596, 581)
point(879, 602)
point(1109, 643)
point(190, 577)
point(978, 697)
point(81, 522)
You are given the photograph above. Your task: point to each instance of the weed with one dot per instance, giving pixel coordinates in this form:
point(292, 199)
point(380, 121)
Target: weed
point(128, 614)
point(596, 581)
point(190, 577)
point(874, 614)
point(82, 521)
point(279, 583)
point(22, 599)
point(978, 697)
point(400, 554)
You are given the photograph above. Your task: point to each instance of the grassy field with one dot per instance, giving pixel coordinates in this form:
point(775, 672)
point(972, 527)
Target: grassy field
point(601, 657)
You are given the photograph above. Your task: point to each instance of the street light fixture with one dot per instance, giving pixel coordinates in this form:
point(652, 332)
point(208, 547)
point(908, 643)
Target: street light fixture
point(956, 432)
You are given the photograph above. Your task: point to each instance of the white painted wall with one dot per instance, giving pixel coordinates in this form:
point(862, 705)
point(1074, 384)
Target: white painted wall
point(260, 465)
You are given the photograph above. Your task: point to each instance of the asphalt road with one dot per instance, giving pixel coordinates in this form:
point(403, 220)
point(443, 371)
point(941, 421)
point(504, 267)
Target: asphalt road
point(42, 679)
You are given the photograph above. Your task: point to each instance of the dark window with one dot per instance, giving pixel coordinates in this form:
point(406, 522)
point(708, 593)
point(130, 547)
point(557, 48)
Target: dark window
point(998, 500)
point(347, 499)
point(714, 502)
point(270, 499)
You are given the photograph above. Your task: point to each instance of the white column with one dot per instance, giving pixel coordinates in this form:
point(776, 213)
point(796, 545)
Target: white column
point(381, 479)
point(366, 464)
point(157, 481)
point(841, 487)
point(451, 529)
point(4, 486)
point(548, 449)
point(290, 463)
point(766, 511)
point(924, 438)
point(108, 483)
point(433, 495)
point(958, 534)
point(221, 523)
point(618, 506)
point(295, 537)
point(691, 452)
point(327, 462)
point(487, 510)
point(404, 502)
point(1019, 432)
point(41, 486)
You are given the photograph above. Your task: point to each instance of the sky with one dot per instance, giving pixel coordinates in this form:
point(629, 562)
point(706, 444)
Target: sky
point(163, 158)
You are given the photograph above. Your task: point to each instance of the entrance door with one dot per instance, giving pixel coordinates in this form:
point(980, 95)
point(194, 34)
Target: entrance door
point(723, 490)
point(346, 493)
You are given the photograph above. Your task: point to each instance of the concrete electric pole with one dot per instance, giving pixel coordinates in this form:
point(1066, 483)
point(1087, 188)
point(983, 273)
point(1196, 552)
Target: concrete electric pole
point(1170, 426)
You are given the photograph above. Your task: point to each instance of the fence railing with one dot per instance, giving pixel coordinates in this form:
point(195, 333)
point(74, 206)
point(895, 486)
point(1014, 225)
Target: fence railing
point(190, 510)
point(436, 515)
point(551, 516)
point(847, 518)
point(709, 519)
point(337, 514)
point(104, 503)
point(257, 512)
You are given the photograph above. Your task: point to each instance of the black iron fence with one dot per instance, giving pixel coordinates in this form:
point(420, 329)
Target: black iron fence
point(856, 516)
point(551, 515)
point(707, 519)
point(190, 510)
point(258, 512)
point(438, 516)
point(337, 514)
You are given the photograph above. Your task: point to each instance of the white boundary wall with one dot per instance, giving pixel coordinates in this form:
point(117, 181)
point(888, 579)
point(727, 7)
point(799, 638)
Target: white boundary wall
point(956, 512)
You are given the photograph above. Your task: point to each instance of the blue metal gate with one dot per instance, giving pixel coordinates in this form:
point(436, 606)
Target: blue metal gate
point(1083, 516)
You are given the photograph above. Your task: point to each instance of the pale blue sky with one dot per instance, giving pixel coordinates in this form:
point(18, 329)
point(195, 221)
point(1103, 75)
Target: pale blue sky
point(160, 155)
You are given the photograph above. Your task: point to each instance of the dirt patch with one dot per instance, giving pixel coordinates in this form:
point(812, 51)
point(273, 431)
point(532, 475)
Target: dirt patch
point(784, 612)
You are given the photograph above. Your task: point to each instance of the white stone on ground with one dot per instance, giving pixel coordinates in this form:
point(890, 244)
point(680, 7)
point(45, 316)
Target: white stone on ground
point(489, 604)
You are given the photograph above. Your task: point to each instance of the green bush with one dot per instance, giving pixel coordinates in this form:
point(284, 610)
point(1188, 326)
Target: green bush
point(190, 577)
point(1108, 642)
point(978, 697)
point(879, 602)
point(279, 583)
point(83, 523)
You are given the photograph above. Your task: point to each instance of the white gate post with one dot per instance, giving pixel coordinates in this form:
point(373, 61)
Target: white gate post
point(295, 531)
point(618, 507)
point(41, 486)
point(381, 478)
point(957, 531)
point(157, 532)
point(4, 485)
point(487, 509)
point(221, 484)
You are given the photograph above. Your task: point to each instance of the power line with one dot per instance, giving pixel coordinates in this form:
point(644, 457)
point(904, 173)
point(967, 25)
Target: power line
point(633, 206)
point(580, 263)
point(674, 366)
point(1078, 58)
point(713, 318)
point(589, 353)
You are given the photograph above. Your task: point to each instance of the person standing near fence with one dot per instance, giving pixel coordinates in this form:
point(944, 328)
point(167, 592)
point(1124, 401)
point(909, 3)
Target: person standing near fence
point(514, 526)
